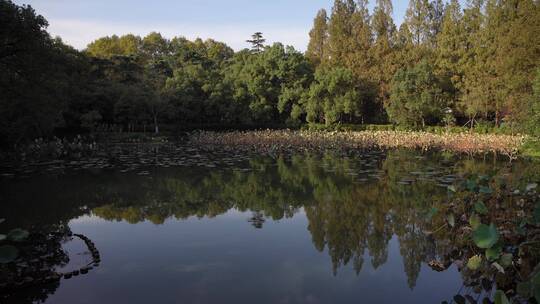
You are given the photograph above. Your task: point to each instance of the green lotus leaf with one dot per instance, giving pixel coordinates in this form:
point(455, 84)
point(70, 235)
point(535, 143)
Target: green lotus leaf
point(485, 190)
point(474, 262)
point(474, 221)
point(500, 297)
point(18, 235)
point(485, 236)
point(494, 252)
point(481, 208)
point(506, 260)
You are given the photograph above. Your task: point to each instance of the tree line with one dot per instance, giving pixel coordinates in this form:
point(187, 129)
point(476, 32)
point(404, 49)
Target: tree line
point(444, 65)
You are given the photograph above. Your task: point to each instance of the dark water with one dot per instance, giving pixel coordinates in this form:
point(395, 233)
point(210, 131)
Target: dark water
point(252, 229)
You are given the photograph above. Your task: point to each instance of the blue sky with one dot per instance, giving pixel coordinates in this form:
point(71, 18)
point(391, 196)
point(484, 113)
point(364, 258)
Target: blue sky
point(79, 22)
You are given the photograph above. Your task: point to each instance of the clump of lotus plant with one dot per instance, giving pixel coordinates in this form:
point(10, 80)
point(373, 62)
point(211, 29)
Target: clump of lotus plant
point(271, 141)
point(497, 246)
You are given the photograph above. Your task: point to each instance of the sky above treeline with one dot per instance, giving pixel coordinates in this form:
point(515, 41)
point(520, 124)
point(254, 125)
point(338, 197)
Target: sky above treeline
point(79, 22)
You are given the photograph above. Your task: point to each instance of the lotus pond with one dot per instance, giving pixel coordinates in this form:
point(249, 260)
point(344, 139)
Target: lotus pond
point(177, 224)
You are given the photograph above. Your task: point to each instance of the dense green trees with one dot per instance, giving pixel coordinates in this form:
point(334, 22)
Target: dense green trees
point(475, 65)
point(417, 96)
point(482, 57)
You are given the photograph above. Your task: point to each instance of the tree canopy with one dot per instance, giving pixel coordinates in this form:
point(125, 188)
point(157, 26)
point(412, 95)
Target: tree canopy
point(477, 64)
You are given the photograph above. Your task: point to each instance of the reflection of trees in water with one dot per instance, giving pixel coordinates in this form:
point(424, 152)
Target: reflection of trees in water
point(351, 217)
point(348, 218)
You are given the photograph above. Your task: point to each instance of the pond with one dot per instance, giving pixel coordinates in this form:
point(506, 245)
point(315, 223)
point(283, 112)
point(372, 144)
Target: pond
point(190, 226)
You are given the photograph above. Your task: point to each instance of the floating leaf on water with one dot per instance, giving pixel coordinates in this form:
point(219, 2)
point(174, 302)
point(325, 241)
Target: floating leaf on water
point(451, 220)
point(494, 252)
point(506, 260)
point(474, 221)
point(8, 254)
point(485, 190)
point(500, 297)
point(471, 185)
point(485, 236)
point(18, 235)
point(481, 208)
point(474, 262)
point(452, 188)
point(459, 299)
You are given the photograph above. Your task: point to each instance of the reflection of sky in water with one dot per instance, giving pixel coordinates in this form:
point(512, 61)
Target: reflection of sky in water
point(226, 260)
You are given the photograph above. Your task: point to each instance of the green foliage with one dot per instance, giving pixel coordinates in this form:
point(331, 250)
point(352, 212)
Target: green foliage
point(416, 97)
point(533, 120)
point(494, 252)
point(500, 297)
point(17, 235)
point(474, 262)
point(318, 38)
point(485, 236)
point(37, 74)
point(334, 97)
point(476, 67)
point(480, 207)
point(474, 221)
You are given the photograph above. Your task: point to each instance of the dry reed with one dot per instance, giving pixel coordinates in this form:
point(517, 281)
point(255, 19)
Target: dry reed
point(269, 141)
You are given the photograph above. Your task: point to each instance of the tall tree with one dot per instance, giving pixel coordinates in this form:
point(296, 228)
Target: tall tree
point(417, 19)
point(334, 97)
point(318, 38)
point(471, 90)
point(360, 42)
point(383, 50)
point(37, 75)
point(154, 47)
point(257, 42)
point(340, 31)
point(436, 17)
point(513, 28)
point(451, 43)
point(417, 96)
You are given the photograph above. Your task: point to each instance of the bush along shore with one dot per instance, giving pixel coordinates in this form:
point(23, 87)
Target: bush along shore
point(495, 230)
point(272, 141)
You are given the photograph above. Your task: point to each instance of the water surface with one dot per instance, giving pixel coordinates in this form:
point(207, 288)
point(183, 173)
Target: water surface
point(203, 228)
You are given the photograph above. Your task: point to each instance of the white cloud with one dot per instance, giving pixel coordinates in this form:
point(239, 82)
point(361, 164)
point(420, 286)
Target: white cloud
point(79, 33)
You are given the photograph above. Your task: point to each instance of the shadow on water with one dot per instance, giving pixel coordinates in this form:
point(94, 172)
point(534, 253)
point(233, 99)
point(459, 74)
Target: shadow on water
point(355, 206)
